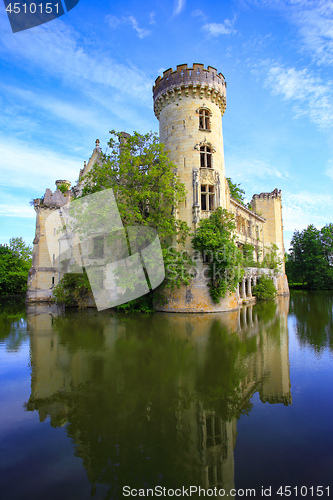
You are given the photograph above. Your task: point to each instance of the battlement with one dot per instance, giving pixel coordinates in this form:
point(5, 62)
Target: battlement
point(53, 200)
point(196, 82)
point(274, 194)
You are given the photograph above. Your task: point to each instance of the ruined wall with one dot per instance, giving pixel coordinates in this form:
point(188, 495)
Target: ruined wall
point(44, 272)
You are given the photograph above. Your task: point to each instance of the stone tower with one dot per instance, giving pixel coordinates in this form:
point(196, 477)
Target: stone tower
point(269, 205)
point(189, 104)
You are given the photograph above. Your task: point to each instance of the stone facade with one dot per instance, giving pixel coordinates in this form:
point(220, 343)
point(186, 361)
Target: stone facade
point(189, 104)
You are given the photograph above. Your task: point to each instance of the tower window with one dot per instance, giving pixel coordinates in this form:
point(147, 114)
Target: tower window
point(205, 157)
point(204, 119)
point(207, 197)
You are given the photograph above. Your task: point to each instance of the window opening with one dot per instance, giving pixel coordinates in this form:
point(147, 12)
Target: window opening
point(207, 197)
point(204, 119)
point(205, 157)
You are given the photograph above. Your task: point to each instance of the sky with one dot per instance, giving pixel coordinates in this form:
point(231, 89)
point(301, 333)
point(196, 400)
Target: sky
point(70, 81)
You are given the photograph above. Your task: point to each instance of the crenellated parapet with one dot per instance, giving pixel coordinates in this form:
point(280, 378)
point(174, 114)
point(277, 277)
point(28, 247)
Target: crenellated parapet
point(57, 199)
point(184, 82)
point(274, 194)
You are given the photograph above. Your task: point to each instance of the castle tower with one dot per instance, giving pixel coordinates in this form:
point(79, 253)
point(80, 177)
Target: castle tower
point(189, 104)
point(269, 205)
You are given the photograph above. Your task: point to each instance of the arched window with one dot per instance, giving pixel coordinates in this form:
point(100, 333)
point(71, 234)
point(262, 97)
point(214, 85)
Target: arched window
point(204, 119)
point(205, 157)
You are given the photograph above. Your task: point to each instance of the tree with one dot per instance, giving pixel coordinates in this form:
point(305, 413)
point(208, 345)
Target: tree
point(326, 238)
point(147, 191)
point(235, 191)
point(21, 249)
point(310, 258)
point(15, 262)
point(144, 182)
point(215, 241)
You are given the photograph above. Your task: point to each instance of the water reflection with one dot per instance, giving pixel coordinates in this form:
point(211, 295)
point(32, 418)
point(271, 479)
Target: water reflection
point(155, 400)
point(314, 319)
point(12, 323)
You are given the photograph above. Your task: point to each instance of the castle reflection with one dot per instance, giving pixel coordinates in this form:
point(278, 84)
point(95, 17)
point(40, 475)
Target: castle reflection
point(155, 400)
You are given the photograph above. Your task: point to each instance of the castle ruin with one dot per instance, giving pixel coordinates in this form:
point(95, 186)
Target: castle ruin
point(189, 104)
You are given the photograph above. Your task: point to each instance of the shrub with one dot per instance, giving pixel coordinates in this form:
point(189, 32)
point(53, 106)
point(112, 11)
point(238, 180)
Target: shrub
point(73, 289)
point(265, 289)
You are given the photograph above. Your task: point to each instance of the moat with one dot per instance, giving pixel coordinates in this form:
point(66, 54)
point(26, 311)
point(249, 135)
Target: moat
point(93, 402)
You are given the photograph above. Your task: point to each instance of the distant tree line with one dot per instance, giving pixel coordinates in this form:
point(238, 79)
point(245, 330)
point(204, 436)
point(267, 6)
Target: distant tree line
point(15, 262)
point(310, 259)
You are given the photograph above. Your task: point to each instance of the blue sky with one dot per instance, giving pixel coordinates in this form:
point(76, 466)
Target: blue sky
point(70, 81)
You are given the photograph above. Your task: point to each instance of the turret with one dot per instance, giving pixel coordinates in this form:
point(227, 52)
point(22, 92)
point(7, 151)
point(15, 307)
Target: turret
point(189, 104)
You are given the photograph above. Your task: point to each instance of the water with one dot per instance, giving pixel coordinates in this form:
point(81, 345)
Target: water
point(92, 402)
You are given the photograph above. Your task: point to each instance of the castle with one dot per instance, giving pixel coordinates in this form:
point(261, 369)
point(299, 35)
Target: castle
point(189, 104)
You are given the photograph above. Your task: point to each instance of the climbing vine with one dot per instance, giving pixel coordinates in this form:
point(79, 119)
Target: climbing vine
point(215, 241)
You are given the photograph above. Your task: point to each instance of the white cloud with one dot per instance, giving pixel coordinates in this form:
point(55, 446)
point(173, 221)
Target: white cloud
point(217, 29)
point(31, 168)
point(314, 22)
point(79, 114)
point(311, 95)
point(24, 211)
point(178, 7)
point(59, 51)
point(314, 19)
point(114, 22)
point(304, 208)
point(198, 13)
point(152, 16)
point(245, 167)
point(142, 33)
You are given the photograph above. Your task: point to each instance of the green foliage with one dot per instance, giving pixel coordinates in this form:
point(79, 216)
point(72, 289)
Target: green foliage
point(248, 251)
point(310, 261)
point(313, 311)
point(73, 289)
point(63, 188)
point(265, 289)
point(215, 241)
point(143, 305)
point(147, 191)
point(177, 265)
point(15, 262)
point(144, 182)
point(235, 191)
point(271, 259)
point(21, 249)
point(12, 312)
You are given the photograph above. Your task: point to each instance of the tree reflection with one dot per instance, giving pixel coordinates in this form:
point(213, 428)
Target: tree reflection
point(12, 323)
point(154, 400)
point(224, 371)
point(314, 318)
